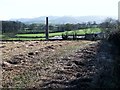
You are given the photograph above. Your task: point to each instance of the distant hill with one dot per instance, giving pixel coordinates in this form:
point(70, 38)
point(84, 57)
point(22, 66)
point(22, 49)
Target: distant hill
point(63, 19)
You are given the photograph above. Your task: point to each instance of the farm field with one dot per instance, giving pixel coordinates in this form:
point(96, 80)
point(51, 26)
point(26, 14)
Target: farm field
point(94, 30)
point(55, 64)
point(42, 35)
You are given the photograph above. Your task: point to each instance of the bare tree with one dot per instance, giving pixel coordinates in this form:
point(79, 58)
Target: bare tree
point(108, 26)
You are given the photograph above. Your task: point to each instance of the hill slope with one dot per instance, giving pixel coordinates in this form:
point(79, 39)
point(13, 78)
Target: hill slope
point(63, 19)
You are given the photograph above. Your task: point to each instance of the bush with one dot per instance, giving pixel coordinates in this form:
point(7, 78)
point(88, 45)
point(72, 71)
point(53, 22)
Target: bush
point(115, 38)
point(65, 36)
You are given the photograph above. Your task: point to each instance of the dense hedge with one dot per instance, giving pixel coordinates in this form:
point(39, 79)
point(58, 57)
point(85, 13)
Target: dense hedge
point(115, 39)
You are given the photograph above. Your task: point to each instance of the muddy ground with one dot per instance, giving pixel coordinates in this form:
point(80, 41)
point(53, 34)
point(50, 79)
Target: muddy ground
point(57, 64)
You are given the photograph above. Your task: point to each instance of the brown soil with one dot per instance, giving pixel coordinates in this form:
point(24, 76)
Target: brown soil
point(54, 64)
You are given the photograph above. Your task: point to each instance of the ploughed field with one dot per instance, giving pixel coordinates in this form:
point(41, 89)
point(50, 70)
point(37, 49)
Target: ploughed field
point(56, 64)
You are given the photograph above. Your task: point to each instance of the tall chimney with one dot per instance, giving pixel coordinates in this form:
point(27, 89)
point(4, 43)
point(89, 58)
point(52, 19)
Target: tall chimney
point(47, 29)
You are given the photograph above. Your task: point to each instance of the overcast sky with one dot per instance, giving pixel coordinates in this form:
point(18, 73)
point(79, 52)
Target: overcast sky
point(35, 8)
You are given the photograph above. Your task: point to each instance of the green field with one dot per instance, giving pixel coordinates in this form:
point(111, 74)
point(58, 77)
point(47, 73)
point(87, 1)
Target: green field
point(60, 33)
point(39, 35)
point(42, 35)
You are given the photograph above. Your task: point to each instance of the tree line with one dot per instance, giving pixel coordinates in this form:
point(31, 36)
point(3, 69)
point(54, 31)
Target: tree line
point(13, 27)
point(19, 27)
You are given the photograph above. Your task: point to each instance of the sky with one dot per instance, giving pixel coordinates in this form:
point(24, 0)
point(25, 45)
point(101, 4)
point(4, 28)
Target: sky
point(14, 9)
